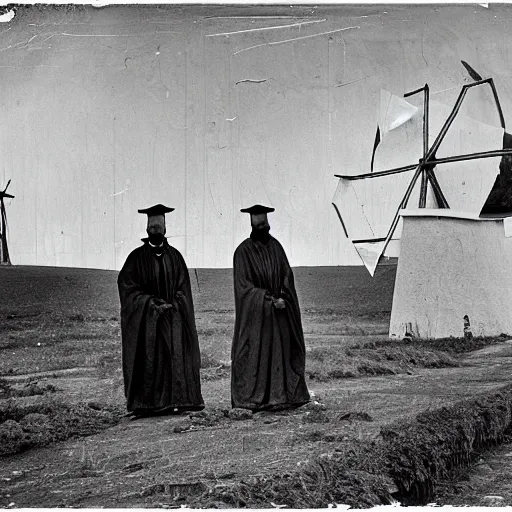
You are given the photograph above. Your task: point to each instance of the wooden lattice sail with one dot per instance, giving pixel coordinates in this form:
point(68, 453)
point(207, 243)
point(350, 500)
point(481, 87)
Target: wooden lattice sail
point(4, 250)
point(425, 156)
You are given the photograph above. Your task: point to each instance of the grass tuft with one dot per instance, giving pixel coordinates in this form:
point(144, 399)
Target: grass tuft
point(44, 420)
point(326, 363)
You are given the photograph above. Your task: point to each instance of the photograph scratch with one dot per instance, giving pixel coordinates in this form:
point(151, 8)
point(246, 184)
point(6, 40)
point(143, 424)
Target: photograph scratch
point(352, 82)
point(11, 46)
point(120, 192)
point(255, 17)
point(252, 81)
point(295, 39)
point(265, 28)
point(66, 34)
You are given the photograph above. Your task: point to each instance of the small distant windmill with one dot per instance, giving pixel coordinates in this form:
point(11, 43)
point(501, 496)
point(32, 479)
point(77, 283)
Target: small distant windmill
point(4, 251)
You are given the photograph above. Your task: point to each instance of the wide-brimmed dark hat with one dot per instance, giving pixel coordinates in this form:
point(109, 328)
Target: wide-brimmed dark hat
point(257, 209)
point(158, 209)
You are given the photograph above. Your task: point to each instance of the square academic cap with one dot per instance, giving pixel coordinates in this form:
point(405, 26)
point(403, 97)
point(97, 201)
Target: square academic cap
point(158, 209)
point(257, 209)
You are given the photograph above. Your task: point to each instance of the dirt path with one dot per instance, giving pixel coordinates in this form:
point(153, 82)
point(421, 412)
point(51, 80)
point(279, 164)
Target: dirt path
point(128, 465)
point(486, 484)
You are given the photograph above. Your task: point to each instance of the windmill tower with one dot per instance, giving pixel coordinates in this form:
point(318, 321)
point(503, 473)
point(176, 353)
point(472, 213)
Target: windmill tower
point(4, 251)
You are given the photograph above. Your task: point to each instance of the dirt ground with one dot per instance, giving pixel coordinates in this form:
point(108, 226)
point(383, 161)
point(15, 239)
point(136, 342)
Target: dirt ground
point(486, 484)
point(60, 331)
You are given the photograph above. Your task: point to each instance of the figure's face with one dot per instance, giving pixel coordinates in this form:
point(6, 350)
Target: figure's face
point(260, 222)
point(156, 229)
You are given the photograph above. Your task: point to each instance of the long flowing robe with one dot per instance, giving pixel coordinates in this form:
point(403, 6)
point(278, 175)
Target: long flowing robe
point(268, 351)
point(160, 350)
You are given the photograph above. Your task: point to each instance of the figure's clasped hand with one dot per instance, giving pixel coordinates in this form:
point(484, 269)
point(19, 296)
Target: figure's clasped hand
point(162, 306)
point(279, 303)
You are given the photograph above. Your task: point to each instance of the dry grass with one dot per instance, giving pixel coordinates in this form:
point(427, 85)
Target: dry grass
point(28, 420)
point(405, 464)
point(380, 359)
point(449, 345)
point(439, 443)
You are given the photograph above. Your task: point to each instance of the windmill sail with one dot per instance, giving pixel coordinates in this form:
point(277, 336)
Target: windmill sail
point(401, 126)
point(367, 221)
point(369, 204)
point(467, 184)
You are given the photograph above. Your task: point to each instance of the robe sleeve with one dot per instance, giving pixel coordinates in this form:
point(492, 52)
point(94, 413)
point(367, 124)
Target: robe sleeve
point(245, 288)
point(184, 304)
point(139, 314)
point(289, 294)
point(251, 302)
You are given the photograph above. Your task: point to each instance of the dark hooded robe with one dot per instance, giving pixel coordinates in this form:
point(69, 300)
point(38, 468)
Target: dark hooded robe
point(268, 352)
point(160, 350)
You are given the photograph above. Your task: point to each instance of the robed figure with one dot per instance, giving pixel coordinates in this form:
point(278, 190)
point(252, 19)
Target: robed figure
point(268, 352)
point(160, 349)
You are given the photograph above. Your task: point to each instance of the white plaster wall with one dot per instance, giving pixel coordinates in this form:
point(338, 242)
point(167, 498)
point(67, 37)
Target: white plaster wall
point(449, 268)
point(105, 111)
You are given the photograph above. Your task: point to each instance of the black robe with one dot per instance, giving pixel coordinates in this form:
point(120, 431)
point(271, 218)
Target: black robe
point(161, 358)
point(268, 352)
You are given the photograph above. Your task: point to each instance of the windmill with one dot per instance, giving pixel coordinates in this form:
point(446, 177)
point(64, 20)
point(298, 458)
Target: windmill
point(433, 168)
point(413, 164)
point(4, 251)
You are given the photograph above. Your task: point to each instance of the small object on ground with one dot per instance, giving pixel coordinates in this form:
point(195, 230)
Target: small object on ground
point(315, 416)
point(225, 476)
point(199, 414)
point(208, 417)
point(239, 414)
point(183, 426)
point(356, 416)
point(468, 335)
point(314, 405)
point(11, 437)
point(409, 336)
point(36, 423)
point(493, 498)
point(136, 466)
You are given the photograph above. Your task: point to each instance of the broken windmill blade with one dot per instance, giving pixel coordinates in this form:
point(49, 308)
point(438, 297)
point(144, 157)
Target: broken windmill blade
point(4, 250)
point(458, 167)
